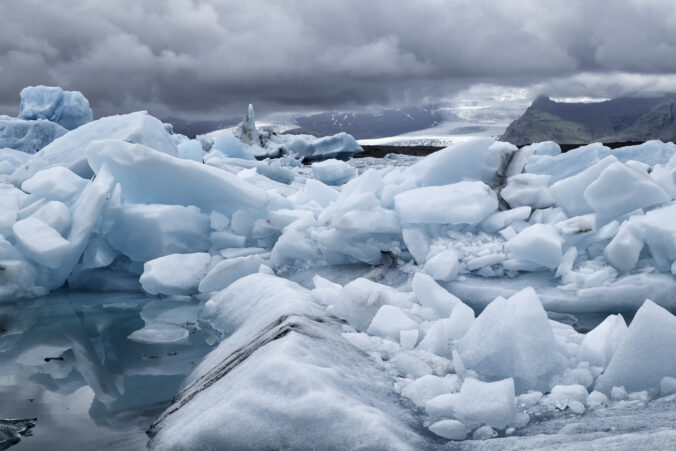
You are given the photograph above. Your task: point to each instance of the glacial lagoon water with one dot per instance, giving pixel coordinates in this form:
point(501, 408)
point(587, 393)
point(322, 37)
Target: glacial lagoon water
point(70, 360)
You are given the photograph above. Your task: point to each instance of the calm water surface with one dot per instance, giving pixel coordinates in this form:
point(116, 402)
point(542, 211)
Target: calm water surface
point(68, 360)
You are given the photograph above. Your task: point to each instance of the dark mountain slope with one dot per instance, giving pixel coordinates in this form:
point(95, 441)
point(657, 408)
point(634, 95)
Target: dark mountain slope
point(621, 119)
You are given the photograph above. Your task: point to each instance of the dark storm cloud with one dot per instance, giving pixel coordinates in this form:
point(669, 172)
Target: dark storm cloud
point(185, 56)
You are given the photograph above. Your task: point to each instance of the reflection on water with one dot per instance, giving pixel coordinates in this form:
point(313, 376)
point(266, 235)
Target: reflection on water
point(95, 369)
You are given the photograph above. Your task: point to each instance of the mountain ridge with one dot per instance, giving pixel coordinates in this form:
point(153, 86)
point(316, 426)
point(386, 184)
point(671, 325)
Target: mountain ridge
point(622, 119)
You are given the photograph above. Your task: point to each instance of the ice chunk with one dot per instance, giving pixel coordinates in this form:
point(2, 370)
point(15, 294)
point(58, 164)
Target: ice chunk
point(449, 429)
point(159, 333)
point(638, 191)
point(529, 190)
point(389, 321)
point(149, 176)
point(431, 294)
point(231, 146)
point(85, 212)
point(567, 262)
point(569, 192)
point(577, 225)
point(246, 130)
point(545, 148)
point(442, 332)
point(618, 393)
point(68, 150)
point(567, 164)
point(10, 159)
point(40, 242)
point(660, 234)
point(145, 232)
point(596, 398)
point(362, 298)
point(491, 403)
point(437, 339)
point(293, 245)
point(417, 242)
point(484, 433)
point(333, 172)
point(190, 150)
point(625, 248)
point(10, 198)
point(325, 291)
point(429, 386)
point(459, 203)
point(569, 396)
point(599, 345)
point(98, 254)
point(225, 240)
point(539, 244)
point(28, 136)
point(408, 338)
point(242, 222)
point(174, 273)
point(56, 183)
point(69, 109)
point(55, 214)
point(460, 322)
point(478, 159)
point(308, 148)
point(513, 338)
point(443, 266)
point(227, 271)
point(651, 152)
point(500, 220)
point(376, 220)
point(319, 192)
point(646, 354)
point(582, 375)
point(667, 386)
point(219, 221)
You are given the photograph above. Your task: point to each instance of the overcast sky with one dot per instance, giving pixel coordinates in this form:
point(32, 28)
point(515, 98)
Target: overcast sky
point(192, 58)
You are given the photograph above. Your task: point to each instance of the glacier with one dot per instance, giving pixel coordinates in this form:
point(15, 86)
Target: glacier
point(390, 304)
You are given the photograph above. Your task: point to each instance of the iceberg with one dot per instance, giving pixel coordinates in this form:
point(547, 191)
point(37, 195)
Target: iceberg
point(28, 136)
point(174, 273)
point(308, 148)
point(645, 355)
point(333, 172)
point(638, 191)
point(512, 338)
point(458, 203)
point(477, 403)
point(69, 109)
point(68, 150)
point(149, 176)
point(539, 244)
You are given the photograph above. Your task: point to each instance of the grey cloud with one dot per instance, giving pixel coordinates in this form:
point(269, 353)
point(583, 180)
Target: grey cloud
point(182, 57)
